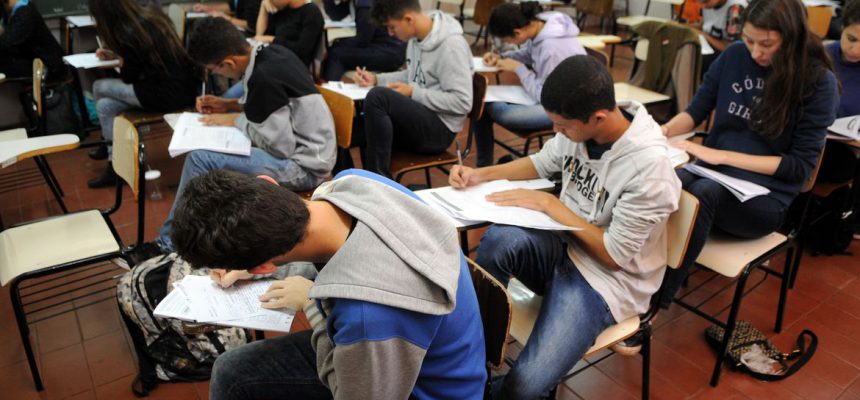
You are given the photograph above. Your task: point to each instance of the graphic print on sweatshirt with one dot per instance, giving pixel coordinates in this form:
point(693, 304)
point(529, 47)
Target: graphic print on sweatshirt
point(740, 105)
point(586, 185)
point(419, 73)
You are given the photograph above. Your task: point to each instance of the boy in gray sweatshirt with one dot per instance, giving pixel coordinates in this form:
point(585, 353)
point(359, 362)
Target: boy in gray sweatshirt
point(423, 107)
point(618, 185)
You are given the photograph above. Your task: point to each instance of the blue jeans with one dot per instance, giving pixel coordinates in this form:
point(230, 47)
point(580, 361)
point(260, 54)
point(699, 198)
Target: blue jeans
point(234, 92)
point(719, 208)
point(284, 367)
point(286, 171)
point(573, 314)
point(513, 117)
point(112, 96)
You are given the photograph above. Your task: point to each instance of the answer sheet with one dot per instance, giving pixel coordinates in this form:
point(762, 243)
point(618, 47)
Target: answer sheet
point(190, 134)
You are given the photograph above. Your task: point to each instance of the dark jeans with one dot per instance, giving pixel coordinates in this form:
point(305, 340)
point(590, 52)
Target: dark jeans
point(394, 121)
point(284, 367)
point(344, 56)
point(718, 208)
point(571, 316)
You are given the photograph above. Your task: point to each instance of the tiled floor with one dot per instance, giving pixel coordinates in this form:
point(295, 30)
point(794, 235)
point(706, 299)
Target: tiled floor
point(86, 355)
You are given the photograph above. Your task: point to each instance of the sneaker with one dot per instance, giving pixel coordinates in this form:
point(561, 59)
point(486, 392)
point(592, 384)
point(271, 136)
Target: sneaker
point(630, 346)
point(144, 252)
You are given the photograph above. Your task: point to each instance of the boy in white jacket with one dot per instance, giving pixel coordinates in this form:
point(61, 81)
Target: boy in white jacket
point(423, 107)
point(618, 186)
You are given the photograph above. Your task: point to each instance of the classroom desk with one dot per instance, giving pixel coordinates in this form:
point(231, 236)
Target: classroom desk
point(333, 30)
point(626, 91)
point(597, 42)
point(74, 22)
point(16, 150)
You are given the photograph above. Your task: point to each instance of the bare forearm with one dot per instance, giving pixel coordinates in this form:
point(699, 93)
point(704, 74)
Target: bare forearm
point(590, 238)
point(521, 168)
point(680, 124)
point(766, 165)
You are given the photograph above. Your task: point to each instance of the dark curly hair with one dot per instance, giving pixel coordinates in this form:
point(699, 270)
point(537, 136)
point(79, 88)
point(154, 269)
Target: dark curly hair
point(213, 39)
point(577, 87)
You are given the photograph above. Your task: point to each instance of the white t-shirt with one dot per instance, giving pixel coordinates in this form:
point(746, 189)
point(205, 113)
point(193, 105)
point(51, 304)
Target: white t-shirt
point(717, 22)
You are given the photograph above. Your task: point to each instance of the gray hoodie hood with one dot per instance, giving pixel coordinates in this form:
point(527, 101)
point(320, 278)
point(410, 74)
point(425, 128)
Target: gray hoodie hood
point(401, 253)
point(444, 26)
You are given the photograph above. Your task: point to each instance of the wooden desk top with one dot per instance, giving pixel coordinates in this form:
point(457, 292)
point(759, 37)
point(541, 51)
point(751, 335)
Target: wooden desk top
point(20, 149)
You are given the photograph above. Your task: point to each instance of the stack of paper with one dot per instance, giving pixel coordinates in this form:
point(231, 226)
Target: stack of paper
point(514, 94)
point(198, 299)
point(89, 60)
point(190, 134)
point(350, 90)
point(743, 190)
point(471, 204)
point(849, 127)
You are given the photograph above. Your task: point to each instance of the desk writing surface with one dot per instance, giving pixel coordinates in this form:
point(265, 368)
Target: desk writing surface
point(626, 91)
point(14, 150)
point(61, 8)
point(80, 21)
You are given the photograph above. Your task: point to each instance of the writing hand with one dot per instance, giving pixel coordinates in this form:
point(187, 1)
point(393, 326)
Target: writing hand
point(291, 293)
point(462, 177)
point(402, 88)
point(228, 278)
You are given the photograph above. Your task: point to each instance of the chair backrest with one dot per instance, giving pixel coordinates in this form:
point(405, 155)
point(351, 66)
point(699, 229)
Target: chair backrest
point(813, 175)
point(599, 55)
point(496, 310)
point(680, 227)
point(819, 20)
point(343, 111)
point(479, 91)
point(39, 73)
point(126, 153)
point(483, 9)
point(176, 13)
point(599, 8)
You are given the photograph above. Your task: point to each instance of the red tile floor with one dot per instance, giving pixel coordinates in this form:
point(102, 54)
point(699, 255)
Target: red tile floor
point(85, 354)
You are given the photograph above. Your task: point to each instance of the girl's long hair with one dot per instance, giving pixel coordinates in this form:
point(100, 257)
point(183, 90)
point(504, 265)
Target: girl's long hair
point(119, 23)
point(795, 69)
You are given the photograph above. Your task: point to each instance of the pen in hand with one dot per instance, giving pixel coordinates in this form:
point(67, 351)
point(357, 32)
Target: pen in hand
point(459, 159)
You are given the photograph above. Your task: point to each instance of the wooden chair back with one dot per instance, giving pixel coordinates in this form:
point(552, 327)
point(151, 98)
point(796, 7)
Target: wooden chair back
point(495, 304)
point(680, 227)
point(343, 111)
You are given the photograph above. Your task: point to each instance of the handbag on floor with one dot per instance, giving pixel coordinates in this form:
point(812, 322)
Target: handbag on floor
point(168, 350)
point(752, 352)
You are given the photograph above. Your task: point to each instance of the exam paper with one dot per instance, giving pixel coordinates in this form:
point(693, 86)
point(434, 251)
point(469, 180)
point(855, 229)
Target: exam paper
point(350, 90)
point(190, 134)
point(514, 94)
point(88, 61)
point(478, 65)
point(849, 127)
point(743, 190)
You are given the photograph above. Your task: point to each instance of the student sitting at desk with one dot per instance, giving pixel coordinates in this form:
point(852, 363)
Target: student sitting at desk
point(244, 12)
point(549, 38)
point(773, 97)
point(372, 47)
point(25, 37)
point(721, 25)
point(846, 59)
point(423, 107)
point(294, 24)
point(155, 72)
point(618, 185)
point(393, 309)
point(286, 118)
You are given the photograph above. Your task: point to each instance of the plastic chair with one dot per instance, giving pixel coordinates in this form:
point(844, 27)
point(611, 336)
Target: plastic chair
point(403, 162)
point(527, 305)
point(53, 245)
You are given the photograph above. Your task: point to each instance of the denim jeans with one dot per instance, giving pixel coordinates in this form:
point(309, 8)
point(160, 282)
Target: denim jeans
point(719, 208)
point(573, 314)
point(234, 92)
point(112, 96)
point(279, 368)
point(509, 116)
point(286, 171)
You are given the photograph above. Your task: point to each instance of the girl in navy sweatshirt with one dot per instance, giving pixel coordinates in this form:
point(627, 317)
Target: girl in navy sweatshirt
point(774, 95)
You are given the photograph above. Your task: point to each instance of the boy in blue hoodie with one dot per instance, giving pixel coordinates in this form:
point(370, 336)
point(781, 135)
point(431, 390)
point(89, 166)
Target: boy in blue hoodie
point(394, 316)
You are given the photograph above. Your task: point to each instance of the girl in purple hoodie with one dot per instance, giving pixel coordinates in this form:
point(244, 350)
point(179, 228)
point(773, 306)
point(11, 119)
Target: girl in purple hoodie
point(545, 39)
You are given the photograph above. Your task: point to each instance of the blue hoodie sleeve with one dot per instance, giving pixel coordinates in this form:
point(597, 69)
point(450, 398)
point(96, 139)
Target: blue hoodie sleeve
point(706, 97)
point(807, 140)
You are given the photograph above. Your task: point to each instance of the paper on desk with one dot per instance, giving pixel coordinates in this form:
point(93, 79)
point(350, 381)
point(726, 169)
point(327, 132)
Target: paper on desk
point(706, 47)
point(471, 204)
point(198, 299)
point(350, 90)
point(847, 126)
point(88, 61)
point(329, 24)
point(743, 190)
point(195, 15)
point(514, 94)
point(478, 65)
point(81, 21)
point(190, 134)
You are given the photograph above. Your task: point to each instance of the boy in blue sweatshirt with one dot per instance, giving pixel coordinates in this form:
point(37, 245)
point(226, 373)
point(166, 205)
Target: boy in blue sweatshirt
point(394, 315)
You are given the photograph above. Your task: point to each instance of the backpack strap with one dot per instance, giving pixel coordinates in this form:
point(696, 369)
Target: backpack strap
point(800, 356)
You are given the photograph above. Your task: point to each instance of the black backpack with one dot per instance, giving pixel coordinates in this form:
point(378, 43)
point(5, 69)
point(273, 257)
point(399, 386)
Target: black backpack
point(168, 350)
point(832, 226)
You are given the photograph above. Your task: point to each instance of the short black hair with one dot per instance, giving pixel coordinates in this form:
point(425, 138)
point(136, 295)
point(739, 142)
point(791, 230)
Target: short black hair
point(577, 87)
point(229, 220)
point(214, 39)
point(506, 17)
point(383, 10)
point(851, 13)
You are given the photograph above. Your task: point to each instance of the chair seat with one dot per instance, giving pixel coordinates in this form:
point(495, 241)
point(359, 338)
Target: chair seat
point(13, 134)
point(54, 241)
point(729, 255)
point(526, 306)
point(402, 161)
